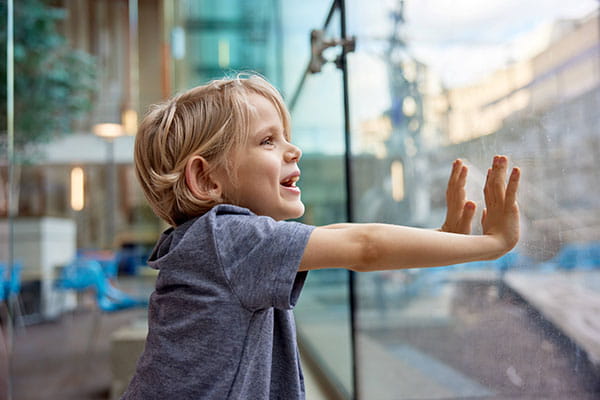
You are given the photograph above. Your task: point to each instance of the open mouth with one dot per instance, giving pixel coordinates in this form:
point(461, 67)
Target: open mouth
point(290, 182)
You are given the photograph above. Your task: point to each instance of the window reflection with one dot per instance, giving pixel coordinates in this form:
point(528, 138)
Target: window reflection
point(470, 82)
point(430, 81)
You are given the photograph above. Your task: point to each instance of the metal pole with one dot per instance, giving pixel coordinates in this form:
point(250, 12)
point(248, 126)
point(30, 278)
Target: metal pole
point(134, 68)
point(296, 94)
point(349, 195)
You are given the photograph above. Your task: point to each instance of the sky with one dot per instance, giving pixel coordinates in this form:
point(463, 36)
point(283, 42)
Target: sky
point(461, 41)
point(464, 40)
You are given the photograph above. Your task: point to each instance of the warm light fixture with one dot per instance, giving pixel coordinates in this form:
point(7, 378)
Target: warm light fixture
point(397, 172)
point(129, 119)
point(108, 131)
point(77, 189)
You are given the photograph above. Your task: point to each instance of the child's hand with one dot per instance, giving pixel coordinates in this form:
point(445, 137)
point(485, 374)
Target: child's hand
point(459, 213)
point(501, 216)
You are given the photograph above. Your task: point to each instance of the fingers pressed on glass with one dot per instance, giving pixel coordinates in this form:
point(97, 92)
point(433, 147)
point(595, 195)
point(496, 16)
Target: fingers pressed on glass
point(512, 187)
point(467, 217)
point(456, 196)
point(462, 176)
point(487, 191)
point(451, 188)
point(452, 178)
point(460, 186)
point(454, 174)
point(499, 179)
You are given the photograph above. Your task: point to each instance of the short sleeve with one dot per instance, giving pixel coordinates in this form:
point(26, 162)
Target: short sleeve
point(260, 257)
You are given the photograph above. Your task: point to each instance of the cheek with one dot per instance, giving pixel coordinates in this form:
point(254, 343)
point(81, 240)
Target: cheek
point(264, 171)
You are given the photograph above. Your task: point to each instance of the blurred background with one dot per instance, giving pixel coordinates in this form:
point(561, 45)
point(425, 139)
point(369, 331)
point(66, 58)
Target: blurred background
point(384, 95)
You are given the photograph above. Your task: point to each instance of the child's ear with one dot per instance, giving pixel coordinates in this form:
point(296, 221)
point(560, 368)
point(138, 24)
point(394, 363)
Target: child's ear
point(200, 182)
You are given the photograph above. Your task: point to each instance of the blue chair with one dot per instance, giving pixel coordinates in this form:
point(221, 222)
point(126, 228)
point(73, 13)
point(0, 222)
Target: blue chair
point(83, 274)
point(14, 281)
point(107, 259)
point(10, 288)
point(130, 257)
point(2, 285)
point(109, 267)
point(11, 285)
point(87, 274)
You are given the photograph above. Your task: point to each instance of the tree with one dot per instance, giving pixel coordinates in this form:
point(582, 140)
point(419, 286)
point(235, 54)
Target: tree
point(54, 84)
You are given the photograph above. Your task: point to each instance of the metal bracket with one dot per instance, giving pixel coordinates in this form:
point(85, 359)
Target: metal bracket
point(318, 44)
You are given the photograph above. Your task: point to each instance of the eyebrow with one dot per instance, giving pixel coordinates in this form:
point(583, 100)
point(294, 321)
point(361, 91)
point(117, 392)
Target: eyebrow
point(270, 128)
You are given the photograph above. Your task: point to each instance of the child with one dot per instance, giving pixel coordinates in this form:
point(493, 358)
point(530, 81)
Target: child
point(217, 164)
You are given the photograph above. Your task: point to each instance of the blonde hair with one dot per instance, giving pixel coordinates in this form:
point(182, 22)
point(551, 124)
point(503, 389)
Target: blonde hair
point(209, 121)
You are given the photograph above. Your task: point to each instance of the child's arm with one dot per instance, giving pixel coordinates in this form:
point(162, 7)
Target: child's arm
point(370, 247)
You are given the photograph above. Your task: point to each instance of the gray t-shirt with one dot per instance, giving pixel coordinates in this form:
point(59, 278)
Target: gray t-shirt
point(220, 319)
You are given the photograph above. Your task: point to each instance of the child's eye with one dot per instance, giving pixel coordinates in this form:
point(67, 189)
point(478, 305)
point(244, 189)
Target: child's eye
point(267, 141)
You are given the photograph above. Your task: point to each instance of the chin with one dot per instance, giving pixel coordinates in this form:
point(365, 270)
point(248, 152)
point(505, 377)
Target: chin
point(295, 212)
point(300, 212)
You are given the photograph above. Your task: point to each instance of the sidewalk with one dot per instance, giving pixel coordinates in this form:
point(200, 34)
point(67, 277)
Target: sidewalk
point(467, 339)
point(569, 300)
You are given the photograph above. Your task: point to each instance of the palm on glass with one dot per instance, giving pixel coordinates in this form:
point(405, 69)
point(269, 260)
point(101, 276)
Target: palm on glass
point(460, 211)
point(501, 216)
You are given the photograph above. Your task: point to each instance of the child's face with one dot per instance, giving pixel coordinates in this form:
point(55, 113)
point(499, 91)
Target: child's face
point(266, 168)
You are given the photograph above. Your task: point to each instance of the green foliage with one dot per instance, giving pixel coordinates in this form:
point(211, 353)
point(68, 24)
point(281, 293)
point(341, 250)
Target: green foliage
point(53, 83)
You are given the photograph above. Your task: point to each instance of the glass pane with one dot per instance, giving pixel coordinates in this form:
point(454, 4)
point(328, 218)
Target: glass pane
point(434, 81)
point(322, 314)
point(77, 202)
point(6, 156)
point(82, 65)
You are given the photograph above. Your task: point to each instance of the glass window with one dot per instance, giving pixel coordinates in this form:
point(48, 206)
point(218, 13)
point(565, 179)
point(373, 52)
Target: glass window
point(73, 192)
point(429, 82)
point(434, 81)
point(316, 101)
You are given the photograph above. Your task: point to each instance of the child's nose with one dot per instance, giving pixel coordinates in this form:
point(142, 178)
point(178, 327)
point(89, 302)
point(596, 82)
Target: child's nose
point(293, 153)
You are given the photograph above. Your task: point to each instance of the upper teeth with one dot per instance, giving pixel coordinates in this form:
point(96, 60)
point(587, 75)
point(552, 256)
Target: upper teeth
point(292, 181)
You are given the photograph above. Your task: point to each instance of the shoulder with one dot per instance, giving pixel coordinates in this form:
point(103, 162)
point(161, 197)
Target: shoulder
point(230, 209)
point(229, 221)
point(217, 218)
point(241, 221)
